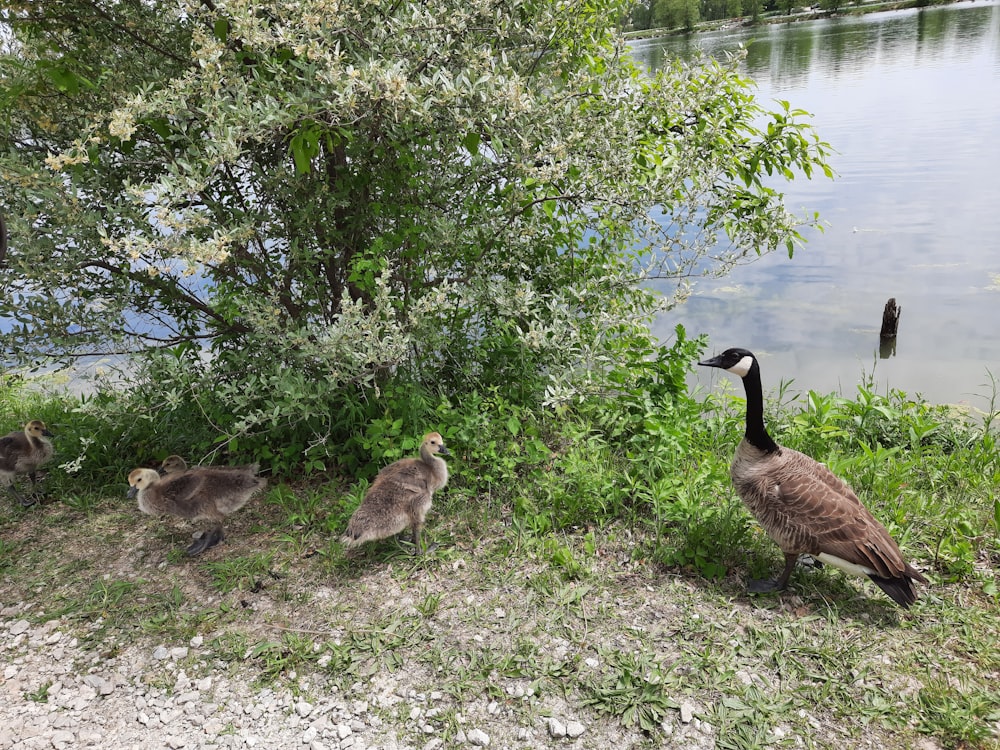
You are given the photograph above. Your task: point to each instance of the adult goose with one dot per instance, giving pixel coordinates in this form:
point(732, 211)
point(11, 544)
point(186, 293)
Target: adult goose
point(803, 506)
point(400, 496)
point(22, 452)
point(207, 495)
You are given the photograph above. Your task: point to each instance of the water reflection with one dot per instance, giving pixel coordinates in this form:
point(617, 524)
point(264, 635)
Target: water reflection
point(910, 100)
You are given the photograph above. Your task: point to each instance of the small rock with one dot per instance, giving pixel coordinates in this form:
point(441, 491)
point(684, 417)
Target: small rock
point(196, 641)
point(21, 626)
point(160, 653)
point(478, 737)
point(574, 729)
point(687, 713)
point(303, 708)
point(557, 730)
point(10, 672)
point(180, 652)
point(61, 739)
point(205, 684)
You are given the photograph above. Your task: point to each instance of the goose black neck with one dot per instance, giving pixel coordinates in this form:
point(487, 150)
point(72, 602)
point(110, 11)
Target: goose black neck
point(756, 433)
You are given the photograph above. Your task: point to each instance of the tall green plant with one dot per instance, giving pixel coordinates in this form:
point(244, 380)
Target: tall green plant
point(318, 197)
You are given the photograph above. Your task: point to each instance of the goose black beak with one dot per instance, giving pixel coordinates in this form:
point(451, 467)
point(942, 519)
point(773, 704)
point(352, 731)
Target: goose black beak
point(133, 491)
point(443, 450)
point(715, 361)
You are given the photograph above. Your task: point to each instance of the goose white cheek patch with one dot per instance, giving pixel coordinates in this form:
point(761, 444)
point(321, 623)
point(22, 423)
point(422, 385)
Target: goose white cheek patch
point(742, 367)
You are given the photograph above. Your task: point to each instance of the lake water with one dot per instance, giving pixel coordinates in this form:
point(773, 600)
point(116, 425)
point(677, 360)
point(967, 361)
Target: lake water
point(910, 101)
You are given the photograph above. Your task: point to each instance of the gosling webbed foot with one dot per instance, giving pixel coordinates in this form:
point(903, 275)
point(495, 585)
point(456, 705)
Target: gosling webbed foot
point(26, 501)
point(206, 541)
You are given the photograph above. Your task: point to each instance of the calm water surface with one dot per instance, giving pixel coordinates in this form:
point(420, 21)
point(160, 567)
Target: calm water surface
point(910, 101)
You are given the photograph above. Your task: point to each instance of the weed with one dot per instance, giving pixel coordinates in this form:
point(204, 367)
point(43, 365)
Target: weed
point(243, 573)
point(41, 694)
point(635, 691)
point(429, 605)
point(960, 717)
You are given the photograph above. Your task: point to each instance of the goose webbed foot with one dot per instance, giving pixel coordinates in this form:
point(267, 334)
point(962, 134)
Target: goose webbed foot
point(766, 586)
point(206, 541)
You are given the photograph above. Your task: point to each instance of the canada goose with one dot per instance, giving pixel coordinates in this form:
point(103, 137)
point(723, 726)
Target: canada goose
point(400, 496)
point(803, 506)
point(22, 453)
point(207, 494)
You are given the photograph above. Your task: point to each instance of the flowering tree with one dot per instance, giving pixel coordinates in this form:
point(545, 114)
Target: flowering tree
point(347, 189)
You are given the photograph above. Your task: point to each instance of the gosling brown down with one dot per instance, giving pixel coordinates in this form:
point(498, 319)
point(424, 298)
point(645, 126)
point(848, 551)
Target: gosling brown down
point(400, 496)
point(22, 452)
point(207, 495)
point(803, 506)
point(175, 464)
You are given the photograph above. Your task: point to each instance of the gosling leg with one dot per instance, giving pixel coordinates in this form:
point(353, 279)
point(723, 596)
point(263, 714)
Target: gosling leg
point(417, 544)
point(759, 586)
point(36, 493)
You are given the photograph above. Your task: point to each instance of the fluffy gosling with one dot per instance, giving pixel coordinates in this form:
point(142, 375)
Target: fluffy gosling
point(206, 495)
point(22, 452)
point(400, 496)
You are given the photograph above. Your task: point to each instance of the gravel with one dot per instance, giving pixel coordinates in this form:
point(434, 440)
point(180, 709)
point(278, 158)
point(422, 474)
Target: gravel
point(58, 693)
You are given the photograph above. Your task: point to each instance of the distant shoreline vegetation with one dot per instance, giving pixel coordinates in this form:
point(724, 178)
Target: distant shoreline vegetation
point(786, 12)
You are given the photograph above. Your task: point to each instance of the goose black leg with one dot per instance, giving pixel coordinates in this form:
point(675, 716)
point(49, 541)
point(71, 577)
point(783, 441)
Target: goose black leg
point(770, 586)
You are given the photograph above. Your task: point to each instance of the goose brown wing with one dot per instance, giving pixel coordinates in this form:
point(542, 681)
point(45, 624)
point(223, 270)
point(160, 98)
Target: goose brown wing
point(824, 513)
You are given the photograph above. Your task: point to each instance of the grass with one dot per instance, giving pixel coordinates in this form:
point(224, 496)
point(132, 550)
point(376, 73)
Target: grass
point(603, 579)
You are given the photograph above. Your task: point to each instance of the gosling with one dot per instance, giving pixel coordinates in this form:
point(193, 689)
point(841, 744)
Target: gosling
point(22, 453)
point(400, 496)
point(206, 495)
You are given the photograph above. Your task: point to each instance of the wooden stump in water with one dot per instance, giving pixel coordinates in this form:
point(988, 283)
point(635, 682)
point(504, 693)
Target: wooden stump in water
point(890, 325)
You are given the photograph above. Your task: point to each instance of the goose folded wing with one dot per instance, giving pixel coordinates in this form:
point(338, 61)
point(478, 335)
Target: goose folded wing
point(836, 523)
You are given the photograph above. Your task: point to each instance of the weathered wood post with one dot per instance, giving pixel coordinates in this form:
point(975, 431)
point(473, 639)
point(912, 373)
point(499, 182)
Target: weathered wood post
point(890, 325)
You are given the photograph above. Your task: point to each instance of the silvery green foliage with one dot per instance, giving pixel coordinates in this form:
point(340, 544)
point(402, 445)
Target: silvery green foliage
point(345, 188)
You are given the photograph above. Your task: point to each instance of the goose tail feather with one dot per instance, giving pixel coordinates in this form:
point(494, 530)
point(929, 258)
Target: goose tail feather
point(900, 590)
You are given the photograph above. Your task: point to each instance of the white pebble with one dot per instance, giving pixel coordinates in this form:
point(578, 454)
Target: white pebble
point(478, 738)
point(557, 730)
